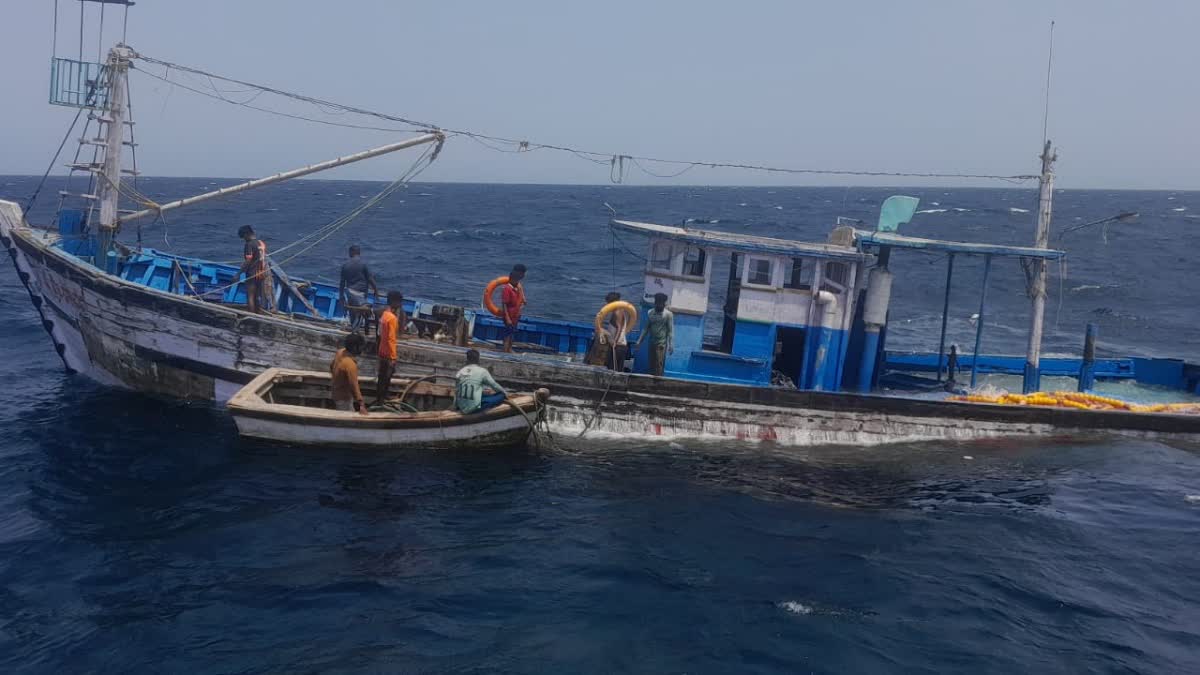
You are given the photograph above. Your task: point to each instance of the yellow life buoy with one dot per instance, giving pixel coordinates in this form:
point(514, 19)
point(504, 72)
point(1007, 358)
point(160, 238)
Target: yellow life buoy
point(488, 302)
point(631, 315)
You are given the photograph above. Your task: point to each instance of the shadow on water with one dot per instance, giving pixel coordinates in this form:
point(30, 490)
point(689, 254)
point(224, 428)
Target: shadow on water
point(1004, 473)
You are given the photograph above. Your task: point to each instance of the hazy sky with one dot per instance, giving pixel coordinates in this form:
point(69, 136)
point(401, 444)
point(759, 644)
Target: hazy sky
point(947, 85)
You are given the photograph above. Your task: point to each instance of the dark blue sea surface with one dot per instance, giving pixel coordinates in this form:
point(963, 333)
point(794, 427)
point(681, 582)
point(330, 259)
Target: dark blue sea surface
point(136, 534)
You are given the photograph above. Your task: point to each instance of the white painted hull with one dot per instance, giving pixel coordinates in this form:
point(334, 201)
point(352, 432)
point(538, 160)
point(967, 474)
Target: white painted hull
point(506, 432)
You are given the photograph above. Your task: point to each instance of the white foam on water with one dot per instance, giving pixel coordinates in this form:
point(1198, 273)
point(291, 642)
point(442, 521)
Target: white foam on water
point(1182, 208)
point(968, 457)
point(742, 204)
point(932, 211)
point(778, 208)
point(935, 203)
point(1192, 499)
point(1014, 209)
point(795, 607)
point(961, 210)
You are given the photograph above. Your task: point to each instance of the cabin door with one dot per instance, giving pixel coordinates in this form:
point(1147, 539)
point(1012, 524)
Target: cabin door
point(789, 353)
point(732, 293)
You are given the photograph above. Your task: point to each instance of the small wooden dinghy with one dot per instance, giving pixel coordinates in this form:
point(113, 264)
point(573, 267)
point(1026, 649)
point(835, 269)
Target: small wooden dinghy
point(293, 406)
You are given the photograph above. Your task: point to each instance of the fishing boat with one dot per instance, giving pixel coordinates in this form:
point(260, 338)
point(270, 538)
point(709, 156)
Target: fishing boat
point(293, 407)
point(800, 357)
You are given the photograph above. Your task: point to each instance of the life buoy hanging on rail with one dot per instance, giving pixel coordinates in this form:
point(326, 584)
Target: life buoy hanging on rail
point(488, 302)
point(631, 315)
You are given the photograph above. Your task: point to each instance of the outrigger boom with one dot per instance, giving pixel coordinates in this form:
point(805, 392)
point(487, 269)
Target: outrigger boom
point(436, 136)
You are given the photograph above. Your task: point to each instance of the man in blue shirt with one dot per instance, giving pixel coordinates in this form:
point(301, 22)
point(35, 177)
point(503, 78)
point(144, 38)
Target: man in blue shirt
point(355, 282)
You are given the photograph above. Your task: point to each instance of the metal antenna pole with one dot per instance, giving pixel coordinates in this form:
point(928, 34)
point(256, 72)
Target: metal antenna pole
point(1033, 356)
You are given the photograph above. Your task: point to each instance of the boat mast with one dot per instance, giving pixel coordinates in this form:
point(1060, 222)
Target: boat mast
point(114, 117)
point(1033, 356)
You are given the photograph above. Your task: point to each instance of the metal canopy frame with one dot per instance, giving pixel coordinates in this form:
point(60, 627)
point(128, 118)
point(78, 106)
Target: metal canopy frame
point(941, 246)
point(716, 239)
point(885, 241)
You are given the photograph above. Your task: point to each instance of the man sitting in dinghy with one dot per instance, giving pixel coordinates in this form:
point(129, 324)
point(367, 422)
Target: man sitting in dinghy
point(346, 393)
point(473, 381)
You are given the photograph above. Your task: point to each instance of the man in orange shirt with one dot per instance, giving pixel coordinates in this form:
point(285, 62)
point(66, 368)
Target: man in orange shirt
point(513, 298)
point(391, 324)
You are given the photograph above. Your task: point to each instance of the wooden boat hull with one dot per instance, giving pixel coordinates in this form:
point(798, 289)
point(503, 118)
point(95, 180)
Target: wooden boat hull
point(123, 334)
point(257, 417)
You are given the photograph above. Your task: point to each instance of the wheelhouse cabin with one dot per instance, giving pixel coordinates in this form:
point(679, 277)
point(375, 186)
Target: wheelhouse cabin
point(785, 309)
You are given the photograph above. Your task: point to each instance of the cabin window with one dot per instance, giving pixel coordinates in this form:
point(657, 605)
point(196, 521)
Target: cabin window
point(693, 262)
point(836, 276)
point(759, 272)
point(660, 255)
point(801, 274)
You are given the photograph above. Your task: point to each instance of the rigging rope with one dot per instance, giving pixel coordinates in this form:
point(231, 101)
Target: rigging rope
point(321, 234)
point(616, 160)
point(42, 182)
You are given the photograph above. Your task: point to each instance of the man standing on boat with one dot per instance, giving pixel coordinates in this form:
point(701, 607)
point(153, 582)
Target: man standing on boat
point(472, 383)
point(391, 324)
point(616, 343)
point(601, 351)
point(346, 393)
point(660, 326)
point(255, 268)
point(513, 298)
point(356, 281)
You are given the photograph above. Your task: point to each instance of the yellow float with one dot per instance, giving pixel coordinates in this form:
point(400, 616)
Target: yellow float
point(631, 315)
point(1077, 401)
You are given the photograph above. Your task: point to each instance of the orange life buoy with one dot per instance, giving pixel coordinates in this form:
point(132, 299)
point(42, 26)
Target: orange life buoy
point(488, 302)
point(631, 315)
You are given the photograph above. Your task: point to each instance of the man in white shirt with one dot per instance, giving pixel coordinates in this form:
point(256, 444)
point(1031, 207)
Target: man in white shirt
point(473, 381)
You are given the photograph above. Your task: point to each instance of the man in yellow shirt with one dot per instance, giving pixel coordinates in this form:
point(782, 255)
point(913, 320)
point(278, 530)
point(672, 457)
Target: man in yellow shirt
point(345, 392)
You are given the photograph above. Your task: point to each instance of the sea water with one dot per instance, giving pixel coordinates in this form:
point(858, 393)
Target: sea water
point(137, 535)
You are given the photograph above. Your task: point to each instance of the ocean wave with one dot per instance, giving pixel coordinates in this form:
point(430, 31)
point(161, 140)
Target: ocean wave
point(795, 607)
point(960, 210)
point(1182, 208)
point(932, 211)
point(1013, 209)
